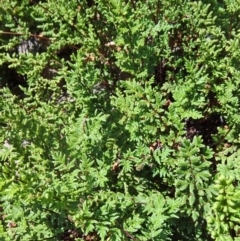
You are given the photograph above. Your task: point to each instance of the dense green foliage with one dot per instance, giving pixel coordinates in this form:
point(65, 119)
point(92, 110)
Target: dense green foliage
point(119, 120)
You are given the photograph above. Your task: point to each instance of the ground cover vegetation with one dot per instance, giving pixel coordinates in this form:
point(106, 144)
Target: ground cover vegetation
point(119, 120)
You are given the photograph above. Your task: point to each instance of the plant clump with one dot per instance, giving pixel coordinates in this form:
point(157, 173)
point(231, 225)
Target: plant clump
point(119, 120)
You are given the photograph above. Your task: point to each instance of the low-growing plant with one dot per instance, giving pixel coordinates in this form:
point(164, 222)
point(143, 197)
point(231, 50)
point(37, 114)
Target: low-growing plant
point(119, 120)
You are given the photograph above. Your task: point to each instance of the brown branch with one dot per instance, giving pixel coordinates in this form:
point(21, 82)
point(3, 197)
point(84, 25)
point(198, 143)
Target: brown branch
point(20, 34)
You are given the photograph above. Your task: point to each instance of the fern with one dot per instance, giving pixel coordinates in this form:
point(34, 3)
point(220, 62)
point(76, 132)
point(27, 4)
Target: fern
point(119, 120)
